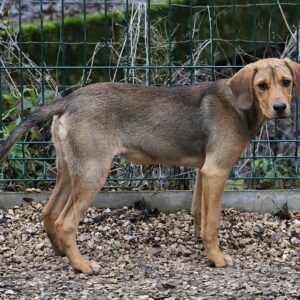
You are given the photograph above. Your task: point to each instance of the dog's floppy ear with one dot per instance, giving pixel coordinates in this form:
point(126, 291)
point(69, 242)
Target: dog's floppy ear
point(295, 70)
point(241, 87)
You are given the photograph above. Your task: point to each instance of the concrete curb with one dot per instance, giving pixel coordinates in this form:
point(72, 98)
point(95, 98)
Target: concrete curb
point(170, 201)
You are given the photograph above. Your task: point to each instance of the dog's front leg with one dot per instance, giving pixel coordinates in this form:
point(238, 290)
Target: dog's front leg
point(213, 183)
point(197, 201)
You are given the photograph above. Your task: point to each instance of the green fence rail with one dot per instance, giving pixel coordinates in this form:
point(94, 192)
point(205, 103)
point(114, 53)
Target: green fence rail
point(51, 47)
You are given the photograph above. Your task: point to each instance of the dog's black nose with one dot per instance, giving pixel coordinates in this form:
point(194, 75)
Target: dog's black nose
point(279, 107)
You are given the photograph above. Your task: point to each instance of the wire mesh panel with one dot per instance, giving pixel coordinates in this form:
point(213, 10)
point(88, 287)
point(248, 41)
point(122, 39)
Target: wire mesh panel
point(49, 48)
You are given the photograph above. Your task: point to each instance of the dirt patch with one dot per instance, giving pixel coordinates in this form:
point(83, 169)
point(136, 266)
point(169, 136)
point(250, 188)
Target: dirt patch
point(151, 255)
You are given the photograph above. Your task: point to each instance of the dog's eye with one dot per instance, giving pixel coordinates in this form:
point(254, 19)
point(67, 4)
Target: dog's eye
point(286, 82)
point(262, 86)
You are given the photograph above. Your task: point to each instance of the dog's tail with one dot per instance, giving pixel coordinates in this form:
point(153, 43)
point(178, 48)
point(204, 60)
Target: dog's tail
point(41, 114)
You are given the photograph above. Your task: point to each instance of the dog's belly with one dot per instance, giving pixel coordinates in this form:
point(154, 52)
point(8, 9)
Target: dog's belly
point(144, 158)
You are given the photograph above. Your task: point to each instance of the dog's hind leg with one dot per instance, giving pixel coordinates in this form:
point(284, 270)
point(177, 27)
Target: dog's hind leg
point(53, 208)
point(60, 194)
point(197, 201)
point(87, 178)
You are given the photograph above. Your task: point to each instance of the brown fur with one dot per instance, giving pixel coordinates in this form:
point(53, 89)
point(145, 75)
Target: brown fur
point(206, 126)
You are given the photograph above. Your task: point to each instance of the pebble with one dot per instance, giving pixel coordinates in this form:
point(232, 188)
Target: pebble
point(150, 258)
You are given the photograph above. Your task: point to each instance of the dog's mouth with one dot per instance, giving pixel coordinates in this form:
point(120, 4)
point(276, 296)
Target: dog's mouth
point(275, 115)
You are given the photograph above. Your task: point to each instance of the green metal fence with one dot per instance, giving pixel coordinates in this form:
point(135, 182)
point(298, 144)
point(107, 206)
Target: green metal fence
point(51, 47)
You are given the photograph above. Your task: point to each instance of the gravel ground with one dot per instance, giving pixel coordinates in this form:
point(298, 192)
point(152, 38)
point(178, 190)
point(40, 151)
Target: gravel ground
point(150, 255)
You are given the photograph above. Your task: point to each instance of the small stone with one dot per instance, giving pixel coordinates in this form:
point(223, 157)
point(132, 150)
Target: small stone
point(284, 256)
point(20, 251)
point(128, 237)
point(91, 244)
point(294, 241)
point(39, 246)
point(117, 244)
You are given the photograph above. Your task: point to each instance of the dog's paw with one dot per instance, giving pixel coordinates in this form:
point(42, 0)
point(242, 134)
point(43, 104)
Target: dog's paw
point(87, 267)
point(221, 260)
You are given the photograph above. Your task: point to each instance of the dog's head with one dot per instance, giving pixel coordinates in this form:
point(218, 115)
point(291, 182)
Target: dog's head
point(269, 84)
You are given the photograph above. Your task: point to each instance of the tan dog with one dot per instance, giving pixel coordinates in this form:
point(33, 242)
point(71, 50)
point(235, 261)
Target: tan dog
point(206, 126)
